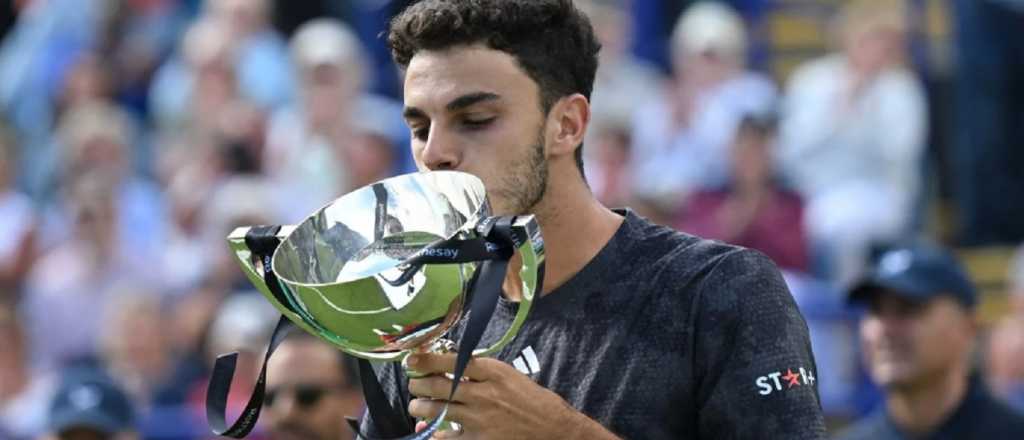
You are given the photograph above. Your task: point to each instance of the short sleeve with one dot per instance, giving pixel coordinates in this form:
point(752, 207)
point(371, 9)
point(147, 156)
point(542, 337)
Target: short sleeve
point(756, 375)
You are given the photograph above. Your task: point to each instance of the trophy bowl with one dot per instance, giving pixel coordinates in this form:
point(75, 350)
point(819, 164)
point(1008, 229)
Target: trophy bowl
point(343, 274)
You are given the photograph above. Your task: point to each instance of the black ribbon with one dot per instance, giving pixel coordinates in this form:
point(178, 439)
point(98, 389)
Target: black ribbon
point(495, 247)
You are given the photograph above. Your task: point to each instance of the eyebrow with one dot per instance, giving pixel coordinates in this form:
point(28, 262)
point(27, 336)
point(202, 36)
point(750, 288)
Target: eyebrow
point(456, 104)
point(470, 99)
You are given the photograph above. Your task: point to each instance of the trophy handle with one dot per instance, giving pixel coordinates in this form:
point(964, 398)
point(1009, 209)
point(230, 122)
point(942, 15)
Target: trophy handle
point(254, 272)
point(531, 250)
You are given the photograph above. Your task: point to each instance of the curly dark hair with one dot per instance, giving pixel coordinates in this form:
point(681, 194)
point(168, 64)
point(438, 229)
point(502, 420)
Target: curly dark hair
point(552, 41)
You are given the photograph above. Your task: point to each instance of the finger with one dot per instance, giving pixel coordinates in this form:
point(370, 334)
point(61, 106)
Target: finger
point(436, 387)
point(427, 408)
point(478, 369)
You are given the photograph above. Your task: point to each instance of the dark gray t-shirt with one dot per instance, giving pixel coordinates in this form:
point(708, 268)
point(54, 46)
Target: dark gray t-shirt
point(664, 335)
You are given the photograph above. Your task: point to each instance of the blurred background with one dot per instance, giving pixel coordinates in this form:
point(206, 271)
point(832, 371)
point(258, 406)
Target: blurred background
point(135, 134)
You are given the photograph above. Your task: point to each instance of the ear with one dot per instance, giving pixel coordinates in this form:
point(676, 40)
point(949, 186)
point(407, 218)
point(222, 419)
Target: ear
point(567, 124)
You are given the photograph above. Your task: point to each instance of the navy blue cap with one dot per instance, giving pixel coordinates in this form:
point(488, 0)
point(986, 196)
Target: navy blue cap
point(88, 399)
point(918, 272)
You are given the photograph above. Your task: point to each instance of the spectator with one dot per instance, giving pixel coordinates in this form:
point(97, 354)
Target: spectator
point(371, 155)
point(264, 73)
point(311, 388)
point(70, 286)
point(681, 141)
point(1006, 343)
point(918, 335)
point(852, 138)
point(622, 85)
point(313, 147)
point(96, 139)
point(134, 344)
point(88, 405)
point(195, 86)
point(754, 210)
point(258, 59)
point(34, 60)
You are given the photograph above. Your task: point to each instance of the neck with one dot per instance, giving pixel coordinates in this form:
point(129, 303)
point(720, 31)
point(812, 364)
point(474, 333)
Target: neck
point(920, 409)
point(575, 226)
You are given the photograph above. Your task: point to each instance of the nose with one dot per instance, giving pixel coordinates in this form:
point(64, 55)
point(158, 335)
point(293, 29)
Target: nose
point(440, 151)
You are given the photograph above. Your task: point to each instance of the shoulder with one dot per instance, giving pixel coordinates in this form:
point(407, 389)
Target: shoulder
point(678, 257)
point(744, 286)
point(721, 281)
point(669, 253)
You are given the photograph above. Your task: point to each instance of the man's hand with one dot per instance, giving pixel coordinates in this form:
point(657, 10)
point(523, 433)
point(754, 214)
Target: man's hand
point(497, 402)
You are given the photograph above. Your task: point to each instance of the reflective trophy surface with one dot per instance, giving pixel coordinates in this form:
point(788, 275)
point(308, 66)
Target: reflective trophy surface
point(383, 272)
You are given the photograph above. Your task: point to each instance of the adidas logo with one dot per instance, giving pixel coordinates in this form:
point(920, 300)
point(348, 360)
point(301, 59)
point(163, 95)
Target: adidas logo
point(527, 362)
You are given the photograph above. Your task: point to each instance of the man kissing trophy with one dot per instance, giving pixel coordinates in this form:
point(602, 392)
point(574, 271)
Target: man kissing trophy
point(391, 269)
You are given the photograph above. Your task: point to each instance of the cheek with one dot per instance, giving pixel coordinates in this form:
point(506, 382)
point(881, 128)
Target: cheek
point(870, 332)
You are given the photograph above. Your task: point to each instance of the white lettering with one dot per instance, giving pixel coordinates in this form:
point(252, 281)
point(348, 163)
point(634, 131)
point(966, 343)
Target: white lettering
point(762, 383)
point(775, 377)
point(808, 377)
point(445, 253)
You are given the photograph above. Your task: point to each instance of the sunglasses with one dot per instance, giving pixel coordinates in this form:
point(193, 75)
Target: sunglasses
point(305, 395)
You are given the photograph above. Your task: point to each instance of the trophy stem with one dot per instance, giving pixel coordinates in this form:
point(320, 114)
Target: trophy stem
point(440, 346)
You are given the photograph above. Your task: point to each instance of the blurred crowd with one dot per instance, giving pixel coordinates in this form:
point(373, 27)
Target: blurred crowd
point(136, 134)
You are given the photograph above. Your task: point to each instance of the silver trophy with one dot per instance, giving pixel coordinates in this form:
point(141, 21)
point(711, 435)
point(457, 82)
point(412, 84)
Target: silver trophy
point(382, 272)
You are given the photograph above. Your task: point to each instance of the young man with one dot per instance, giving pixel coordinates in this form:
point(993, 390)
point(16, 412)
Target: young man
point(918, 336)
point(640, 332)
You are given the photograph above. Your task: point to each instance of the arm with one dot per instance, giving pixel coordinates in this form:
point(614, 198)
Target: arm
point(756, 376)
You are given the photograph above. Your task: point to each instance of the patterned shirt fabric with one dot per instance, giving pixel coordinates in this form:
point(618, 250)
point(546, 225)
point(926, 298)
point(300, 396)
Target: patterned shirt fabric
point(664, 335)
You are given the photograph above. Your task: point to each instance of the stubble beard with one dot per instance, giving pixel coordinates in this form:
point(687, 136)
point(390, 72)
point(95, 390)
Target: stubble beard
point(526, 183)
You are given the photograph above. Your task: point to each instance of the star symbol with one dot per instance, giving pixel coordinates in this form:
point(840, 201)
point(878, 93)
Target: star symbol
point(792, 378)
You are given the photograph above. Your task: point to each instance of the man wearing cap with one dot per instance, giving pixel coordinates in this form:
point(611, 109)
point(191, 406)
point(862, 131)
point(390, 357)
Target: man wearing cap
point(89, 406)
point(917, 335)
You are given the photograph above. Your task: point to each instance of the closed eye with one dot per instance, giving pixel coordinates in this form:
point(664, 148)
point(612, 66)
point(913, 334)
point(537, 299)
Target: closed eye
point(420, 133)
point(475, 124)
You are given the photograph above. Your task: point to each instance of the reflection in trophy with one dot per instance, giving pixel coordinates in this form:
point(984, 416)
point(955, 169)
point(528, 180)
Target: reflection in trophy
point(389, 269)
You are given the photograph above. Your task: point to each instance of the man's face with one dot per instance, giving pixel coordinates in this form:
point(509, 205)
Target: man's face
point(305, 395)
point(909, 344)
point(473, 109)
